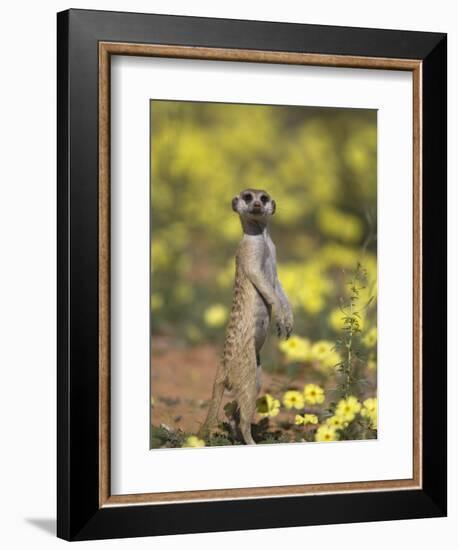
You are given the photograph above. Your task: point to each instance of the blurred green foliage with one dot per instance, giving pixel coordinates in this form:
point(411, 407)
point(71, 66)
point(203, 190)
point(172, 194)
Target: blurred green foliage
point(320, 166)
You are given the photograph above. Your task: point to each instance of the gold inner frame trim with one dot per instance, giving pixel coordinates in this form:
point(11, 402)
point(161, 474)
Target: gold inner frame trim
point(106, 50)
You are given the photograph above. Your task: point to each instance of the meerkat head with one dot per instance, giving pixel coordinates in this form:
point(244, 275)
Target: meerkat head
point(253, 204)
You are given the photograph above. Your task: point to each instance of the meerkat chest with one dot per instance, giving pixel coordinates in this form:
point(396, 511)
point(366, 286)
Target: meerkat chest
point(269, 260)
point(261, 310)
point(270, 273)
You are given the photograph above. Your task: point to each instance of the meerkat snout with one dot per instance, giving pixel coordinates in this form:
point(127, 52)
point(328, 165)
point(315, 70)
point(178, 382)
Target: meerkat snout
point(253, 203)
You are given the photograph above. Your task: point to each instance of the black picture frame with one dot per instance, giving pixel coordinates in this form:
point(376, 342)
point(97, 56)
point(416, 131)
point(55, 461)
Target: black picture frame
point(79, 514)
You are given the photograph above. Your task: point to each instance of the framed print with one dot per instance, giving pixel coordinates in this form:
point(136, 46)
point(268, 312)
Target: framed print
point(252, 274)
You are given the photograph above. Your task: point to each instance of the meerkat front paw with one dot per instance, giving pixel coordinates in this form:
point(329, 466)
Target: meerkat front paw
point(284, 324)
point(289, 322)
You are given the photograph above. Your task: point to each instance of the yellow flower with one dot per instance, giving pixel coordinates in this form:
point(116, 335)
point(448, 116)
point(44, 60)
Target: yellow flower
point(331, 360)
point(160, 255)
point(326, 433)
point(267, 405)
point(193, 333)
point(306, 419)
point(298, 420)
point(306, 283)
point(369, 406)
point(194, 441)
point(321, 349)
point(225, 278)
point(339, 255)
point(157, 301)
point(369, 410)
point(183, 293)
point(293, 399)
point(372, 363)
point(335, 223)
point(336, 319)
point(347, 408)
point(313, 394)
point(310, 419)
point(215, 315)
point(296, 348)
point(336, 422)
point(311, 301)
point(370, 338)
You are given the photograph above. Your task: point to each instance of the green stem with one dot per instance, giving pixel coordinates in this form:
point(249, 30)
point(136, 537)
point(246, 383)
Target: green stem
point(349, 351)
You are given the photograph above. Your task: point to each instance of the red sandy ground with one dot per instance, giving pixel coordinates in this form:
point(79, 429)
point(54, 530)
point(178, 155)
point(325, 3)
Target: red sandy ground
point(182, 381)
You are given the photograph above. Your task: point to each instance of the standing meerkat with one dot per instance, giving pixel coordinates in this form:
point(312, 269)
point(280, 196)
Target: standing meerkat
point(258, 295)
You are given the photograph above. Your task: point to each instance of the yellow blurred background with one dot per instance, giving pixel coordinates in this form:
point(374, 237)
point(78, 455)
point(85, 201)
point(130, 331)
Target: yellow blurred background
point(320, 165)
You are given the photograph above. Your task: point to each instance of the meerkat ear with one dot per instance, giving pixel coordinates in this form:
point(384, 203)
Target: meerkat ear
point(235, 200)
point(274, 206)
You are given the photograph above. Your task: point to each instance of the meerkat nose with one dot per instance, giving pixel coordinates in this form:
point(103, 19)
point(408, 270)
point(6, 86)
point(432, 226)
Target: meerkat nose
point(257, 204)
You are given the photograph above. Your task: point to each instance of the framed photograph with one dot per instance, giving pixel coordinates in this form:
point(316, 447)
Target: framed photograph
point(251, 274)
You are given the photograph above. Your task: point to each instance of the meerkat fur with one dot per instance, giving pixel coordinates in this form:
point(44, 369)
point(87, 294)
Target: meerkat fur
point(257, 298)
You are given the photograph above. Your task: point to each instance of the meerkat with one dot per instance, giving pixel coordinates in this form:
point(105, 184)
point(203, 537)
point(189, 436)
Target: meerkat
point(257, 297)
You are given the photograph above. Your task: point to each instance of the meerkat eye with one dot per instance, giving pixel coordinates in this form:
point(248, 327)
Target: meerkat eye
point(264, 199)
point(247, 197)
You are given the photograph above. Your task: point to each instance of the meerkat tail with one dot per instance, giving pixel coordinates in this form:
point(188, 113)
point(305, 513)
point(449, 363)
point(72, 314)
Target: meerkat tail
point(215, 402)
